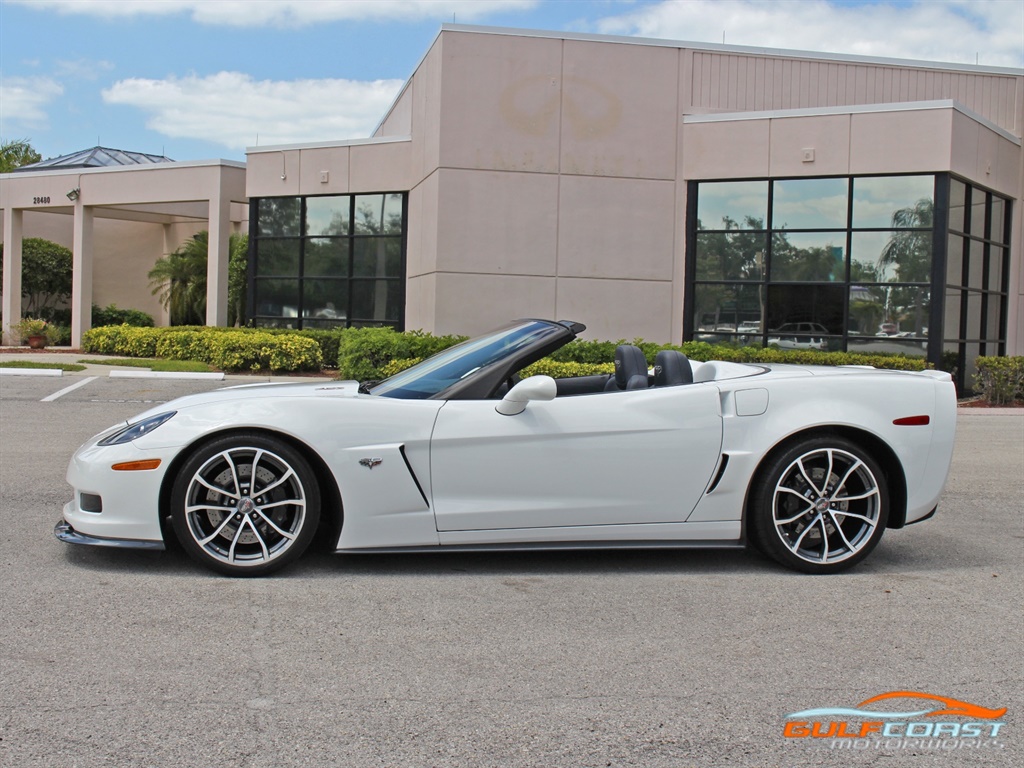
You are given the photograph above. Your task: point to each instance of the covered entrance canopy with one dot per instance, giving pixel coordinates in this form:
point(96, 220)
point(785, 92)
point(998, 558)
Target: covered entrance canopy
point(153, 190)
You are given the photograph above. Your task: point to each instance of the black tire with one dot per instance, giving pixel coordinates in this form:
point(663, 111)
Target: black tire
point(240, 525)
point(819, 505)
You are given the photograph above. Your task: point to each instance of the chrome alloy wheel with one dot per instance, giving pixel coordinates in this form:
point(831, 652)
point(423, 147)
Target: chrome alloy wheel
point(826, 506)
point(245, 506)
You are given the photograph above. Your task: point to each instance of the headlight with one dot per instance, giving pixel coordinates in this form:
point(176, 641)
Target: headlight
point(136, 430)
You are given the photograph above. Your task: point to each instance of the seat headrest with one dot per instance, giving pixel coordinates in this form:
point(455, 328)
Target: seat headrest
point(672, 368)
point(629, 362)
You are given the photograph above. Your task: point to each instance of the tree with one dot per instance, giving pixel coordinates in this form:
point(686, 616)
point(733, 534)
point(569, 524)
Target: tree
point(179, 280)
point(45, 274)
point(16, 153)
point(909, 250)
point(238, 278)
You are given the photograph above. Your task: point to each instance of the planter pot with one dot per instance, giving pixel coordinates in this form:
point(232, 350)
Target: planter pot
point(37, 342)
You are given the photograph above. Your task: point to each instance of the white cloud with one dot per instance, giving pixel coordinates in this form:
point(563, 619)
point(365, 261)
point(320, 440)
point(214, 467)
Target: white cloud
point(81, 69)
point(23, 102)
point(957, 31)
point(232, 109)
point(295, 13)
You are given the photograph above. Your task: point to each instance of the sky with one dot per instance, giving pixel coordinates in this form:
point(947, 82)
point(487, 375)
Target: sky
point(204, 79)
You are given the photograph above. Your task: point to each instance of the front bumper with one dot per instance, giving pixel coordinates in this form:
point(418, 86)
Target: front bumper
point(66, 533)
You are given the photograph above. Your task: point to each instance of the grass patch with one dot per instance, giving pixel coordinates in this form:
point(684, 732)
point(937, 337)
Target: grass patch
point(66, 367)
point(174, 366)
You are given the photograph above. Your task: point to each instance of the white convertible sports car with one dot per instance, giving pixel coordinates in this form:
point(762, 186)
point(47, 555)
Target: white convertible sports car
point(808, 464)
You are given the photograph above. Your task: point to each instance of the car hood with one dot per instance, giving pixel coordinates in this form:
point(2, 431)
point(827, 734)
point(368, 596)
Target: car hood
point(320, 388)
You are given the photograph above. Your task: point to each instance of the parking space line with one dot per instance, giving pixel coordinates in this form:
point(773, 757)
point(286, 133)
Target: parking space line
point(72, 388)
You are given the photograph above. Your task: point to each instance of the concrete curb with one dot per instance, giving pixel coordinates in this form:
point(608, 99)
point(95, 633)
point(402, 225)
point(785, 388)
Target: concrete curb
point(147, 374)
point(31, 372)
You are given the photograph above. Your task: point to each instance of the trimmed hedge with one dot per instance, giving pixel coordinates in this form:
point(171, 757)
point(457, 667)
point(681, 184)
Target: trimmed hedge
point(558, 369)
point(229, 349)
point(594, 352)
point(376, 353)
point(1000, 380)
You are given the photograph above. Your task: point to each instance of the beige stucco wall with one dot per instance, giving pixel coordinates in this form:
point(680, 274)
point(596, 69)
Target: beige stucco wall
point(547, 175)
point(124, 253)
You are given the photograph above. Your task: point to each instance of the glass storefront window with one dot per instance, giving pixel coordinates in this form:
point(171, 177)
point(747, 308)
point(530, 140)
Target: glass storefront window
point(376, 300)
point(326, 257)
point(998, 233)
point(327, 215)
point(346, 237)
point(378, 214)
point(976, 268)
point(277, 297)
point(893, 201)
point(957, 203)
point(810, 203)
point(277, 257)
point(725, 308)
point(805, 309)
point(325, 300)
point(733, 205)
point(997, 258)
point(279, 217)
point(978, 206)
point(808, 257)
point(731, 255)
point(955, 260)
point(377, 257)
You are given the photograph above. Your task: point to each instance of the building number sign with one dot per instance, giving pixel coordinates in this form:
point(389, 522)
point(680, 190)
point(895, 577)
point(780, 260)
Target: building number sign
point(40, 200)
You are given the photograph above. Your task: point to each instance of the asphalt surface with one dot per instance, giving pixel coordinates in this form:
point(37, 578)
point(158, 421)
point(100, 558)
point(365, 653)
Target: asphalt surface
point(680, 659)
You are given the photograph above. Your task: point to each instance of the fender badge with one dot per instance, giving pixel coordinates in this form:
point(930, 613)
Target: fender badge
point(370, 463)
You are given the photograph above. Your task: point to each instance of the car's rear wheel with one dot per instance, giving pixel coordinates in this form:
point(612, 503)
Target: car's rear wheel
point(245, 504)
point(820, 505)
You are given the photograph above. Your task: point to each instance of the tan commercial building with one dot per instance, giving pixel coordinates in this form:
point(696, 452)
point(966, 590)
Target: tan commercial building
point(663, 190)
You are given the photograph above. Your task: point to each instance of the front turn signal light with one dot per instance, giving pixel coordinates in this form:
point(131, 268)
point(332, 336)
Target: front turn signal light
point(132, 466)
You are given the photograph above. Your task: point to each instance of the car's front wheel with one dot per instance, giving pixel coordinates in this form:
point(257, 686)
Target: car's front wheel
point(820, 505)
point(245, 504)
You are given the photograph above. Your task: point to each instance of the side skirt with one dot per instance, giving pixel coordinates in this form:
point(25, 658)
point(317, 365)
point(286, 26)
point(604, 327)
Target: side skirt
point(551, 546)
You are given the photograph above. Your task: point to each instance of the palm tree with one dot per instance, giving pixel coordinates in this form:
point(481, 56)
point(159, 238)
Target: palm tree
point(179, 280)
point(910, 251)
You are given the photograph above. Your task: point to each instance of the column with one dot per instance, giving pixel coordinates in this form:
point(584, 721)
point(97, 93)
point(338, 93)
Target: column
point(12, 272)
point(81, 273)
point(217, 260)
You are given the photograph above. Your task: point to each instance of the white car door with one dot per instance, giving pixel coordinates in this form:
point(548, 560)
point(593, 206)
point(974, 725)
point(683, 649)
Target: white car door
point(642, 456)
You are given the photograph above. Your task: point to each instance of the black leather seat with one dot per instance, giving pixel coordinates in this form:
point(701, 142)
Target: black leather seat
point(672, 368)
point(630, 369)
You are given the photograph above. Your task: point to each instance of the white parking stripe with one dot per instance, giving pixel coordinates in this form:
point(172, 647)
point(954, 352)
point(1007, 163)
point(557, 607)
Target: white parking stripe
point(72, 388)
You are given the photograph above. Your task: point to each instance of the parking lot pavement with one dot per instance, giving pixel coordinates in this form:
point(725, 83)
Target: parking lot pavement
point(674, 659)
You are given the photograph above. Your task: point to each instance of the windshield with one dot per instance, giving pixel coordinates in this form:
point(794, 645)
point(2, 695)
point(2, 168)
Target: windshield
point(437, 373)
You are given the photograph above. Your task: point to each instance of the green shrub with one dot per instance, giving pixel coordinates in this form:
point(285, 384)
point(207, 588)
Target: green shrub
point(254, 350)
point(558, 369)
point(124, 340)
point(364, 352)
point(1000, 380)
point(229, 349)
point(114, 315)
point(397, 366)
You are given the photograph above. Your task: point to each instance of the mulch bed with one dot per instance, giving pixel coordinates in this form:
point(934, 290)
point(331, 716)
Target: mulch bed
point(979, 403)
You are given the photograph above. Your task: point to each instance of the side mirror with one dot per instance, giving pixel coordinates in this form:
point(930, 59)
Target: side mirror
point(533, 388)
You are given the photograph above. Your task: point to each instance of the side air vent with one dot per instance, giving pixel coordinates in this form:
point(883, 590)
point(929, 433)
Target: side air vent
point(722, 464)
